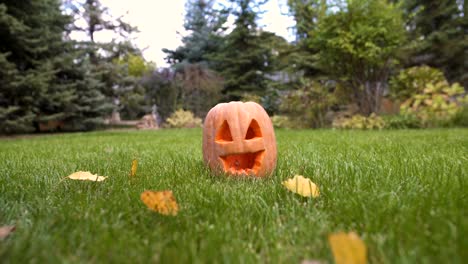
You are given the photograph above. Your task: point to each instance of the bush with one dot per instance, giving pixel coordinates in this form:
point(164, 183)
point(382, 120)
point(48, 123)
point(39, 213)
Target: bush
point(307, 107)
point(437, 105)
point(359, 122)
point(270, 100)
point(461, 118)
point(281, 121)
point(183, 119)
point(250, 97)
point(401, 122)
point(413, 80)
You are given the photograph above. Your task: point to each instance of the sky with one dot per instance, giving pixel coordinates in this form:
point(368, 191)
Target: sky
point(160, 23)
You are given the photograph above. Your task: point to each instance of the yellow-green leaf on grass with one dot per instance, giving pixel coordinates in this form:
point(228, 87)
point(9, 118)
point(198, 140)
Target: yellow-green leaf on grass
point(348, 248)
point(134, 168)
point(302, 186)
point(86, 176)
point(162, 202)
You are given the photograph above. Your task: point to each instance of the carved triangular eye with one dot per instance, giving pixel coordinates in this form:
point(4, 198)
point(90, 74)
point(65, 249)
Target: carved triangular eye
point(254, 130)
point(224, 132)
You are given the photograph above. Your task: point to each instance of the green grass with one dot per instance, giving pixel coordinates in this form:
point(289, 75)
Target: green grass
point(404, 192)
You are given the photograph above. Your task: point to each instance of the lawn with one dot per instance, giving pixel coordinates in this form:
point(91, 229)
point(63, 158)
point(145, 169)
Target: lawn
point(403, 192)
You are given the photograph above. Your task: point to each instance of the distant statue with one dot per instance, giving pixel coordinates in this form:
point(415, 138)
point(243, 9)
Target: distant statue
point(150, 121)
point(115, 117)
point(156, 115)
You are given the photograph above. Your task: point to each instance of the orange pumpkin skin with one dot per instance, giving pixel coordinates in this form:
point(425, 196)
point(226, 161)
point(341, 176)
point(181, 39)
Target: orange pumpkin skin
point(239, 140)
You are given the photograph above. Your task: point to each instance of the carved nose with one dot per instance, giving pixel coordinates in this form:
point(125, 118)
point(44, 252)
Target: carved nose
point(244, 146)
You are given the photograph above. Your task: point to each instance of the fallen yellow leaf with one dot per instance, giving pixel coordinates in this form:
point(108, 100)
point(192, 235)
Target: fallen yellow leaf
point(134, 168)
point(302, 186)
point(162, 202)
point(86, 176)
point(348, 248)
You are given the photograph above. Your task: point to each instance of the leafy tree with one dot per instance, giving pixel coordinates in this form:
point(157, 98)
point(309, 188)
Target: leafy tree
point(162, 91)
point(357, 46)
point(136, 65)
point(131, 94)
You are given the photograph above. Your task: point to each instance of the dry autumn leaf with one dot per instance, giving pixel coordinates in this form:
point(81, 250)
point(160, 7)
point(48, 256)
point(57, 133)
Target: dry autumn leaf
point(162, 202)
point(347, 248)
point(5, 231)
point(86, 176)
point(134, 168)
point(302, 186)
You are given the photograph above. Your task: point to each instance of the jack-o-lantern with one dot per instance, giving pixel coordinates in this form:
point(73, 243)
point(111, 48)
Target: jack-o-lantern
point(238, 139)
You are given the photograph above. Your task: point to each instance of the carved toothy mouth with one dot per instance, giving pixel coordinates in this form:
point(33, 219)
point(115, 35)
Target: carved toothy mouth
point(243, 163)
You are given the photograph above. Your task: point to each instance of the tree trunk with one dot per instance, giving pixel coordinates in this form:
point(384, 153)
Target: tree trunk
point(369, 97)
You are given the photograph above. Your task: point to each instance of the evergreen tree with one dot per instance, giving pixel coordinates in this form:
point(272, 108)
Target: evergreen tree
point(198, 85)
point(303, 56)
point(132, 96)
point(92, 18)
point(244, 61)
point(439, 30)
point(32, 44)
point(204, 25)
point(86, 105)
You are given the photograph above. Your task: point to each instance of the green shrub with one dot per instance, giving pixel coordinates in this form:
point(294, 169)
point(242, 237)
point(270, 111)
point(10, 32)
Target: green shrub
point(281, 121)
point(401, 122)
point(461, 118)
point(250, 97)
point(413, 80)
point(359, 122)
point(270, 100)
point(183, 119)
point(437, 105)
point(307, 106)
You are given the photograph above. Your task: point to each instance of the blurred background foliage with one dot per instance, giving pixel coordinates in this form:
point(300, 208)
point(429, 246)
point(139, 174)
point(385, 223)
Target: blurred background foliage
point(361, 64)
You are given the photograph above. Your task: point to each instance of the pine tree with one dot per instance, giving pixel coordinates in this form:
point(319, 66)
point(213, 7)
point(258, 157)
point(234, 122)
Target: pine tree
point(244, 61)
point(439, 30)
point(204, 24)
point(90, 105)
point(115, 80)
point(198, 85)
point(303, 56)
point(31, 41)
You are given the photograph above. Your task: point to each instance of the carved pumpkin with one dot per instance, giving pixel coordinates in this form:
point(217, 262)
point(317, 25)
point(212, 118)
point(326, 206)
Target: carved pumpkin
point(238, 139)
